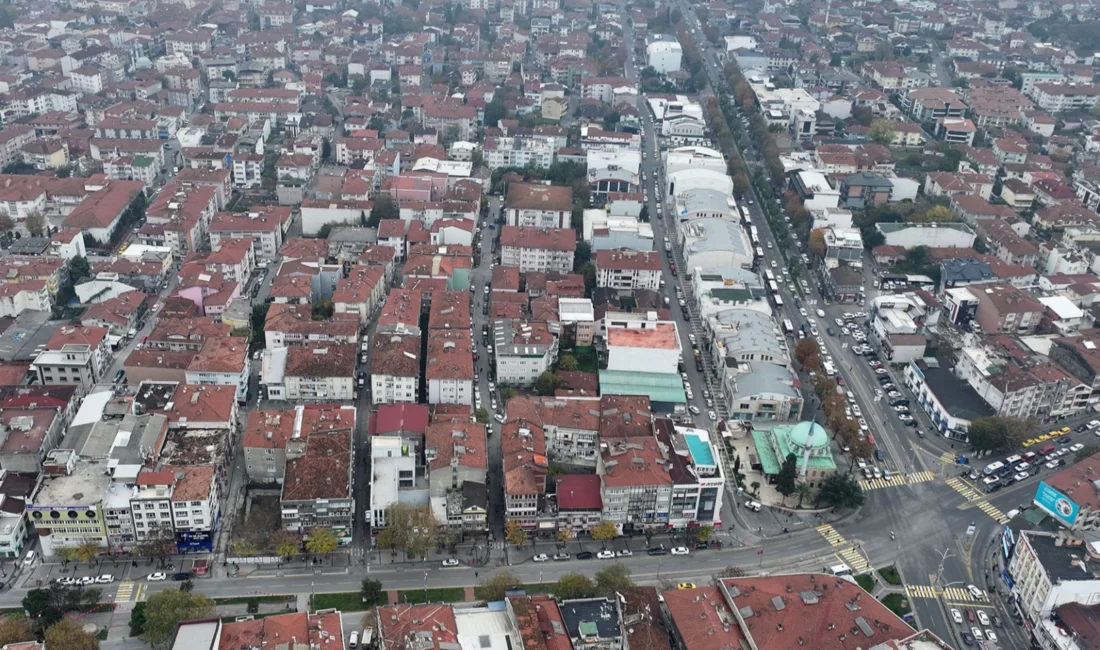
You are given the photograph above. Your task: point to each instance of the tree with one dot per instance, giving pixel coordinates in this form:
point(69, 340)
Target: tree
point(137, 619)
point(731, 572)
point(703, 533)
point(574, 585)
point(741, 184)
point(788, 476)
point(582, 254)
point(482, 415)
point(87, 551)
point(322, 541)
point(159, 545)
point(514, 533)
point(841, 491)
point(803, 490)
point(936, 213)
point(372, 593)
point(35, 223)
point(804, 349)
point(286, 543)
point(881, 132)
point(410, 529)
point(6, 222)
point(165, 609)
point(604, 532)
point(326, 150)
point(567, 362)
point(817, 243)
point(494, 587)
point(384, 208)
point(1087, 451)
point(69, 635)
point(548, 383)
point(998, 433)
point(15, 628)
point(564, 535)
point(588, 270)
point(613, 579)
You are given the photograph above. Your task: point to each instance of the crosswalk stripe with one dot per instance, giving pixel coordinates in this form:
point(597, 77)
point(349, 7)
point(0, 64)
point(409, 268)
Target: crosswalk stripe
point(947, 457)
point(854, 559)
point(921, 591)
point(921, 477)
point(964, 489)
point(993, 512)
point(898, 480)
point(830, 535)
point(125, 591)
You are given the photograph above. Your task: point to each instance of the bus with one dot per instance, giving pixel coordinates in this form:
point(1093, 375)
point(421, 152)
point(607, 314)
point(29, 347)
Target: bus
point(759, 253)
point(778, 301)
point(773, 287)
point(788, 327)
point(745, 216)
point(830, 369)
point(754, 234)
point(769, 275)
point(993, 469)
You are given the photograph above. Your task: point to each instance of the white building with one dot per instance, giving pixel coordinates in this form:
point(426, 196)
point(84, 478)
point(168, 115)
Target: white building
point(393, 475)
point(715, 243)
point(843, 245)
point(1048, 573)
point(663, 53)
point(395, 368)
point(523, 351)
point(628, 270)
point(932, 235)
point(538, 206)
point(653, 349)
point(450, 368)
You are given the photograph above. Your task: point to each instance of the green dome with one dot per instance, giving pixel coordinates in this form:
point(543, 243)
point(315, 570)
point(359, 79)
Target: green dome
point(808, 435)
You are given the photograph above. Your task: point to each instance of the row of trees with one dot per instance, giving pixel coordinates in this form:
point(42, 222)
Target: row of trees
point(606, 582)
point(284, 543)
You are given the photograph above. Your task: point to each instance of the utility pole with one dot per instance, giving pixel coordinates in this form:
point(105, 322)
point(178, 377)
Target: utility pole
point(946, 553)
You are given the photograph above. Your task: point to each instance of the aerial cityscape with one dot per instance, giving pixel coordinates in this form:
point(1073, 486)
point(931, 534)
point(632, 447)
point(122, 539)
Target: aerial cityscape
point(549, 325)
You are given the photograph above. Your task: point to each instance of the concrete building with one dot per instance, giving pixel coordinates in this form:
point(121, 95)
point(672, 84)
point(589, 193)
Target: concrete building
point(932, 235)
point(663, 53)
point(523, 351)
point(317, 489)
point(949, 401)
point(538, 206)
point(395, 368)
point(628, 270)
point(537, 249)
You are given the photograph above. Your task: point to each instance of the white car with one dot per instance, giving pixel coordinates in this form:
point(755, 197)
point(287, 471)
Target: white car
point(1077, 447)
point(680, 550)
point(541, 557)
point(86, 580)
point(977, 632)
point(1019, 477)
point(499, 418)
point(105, 579)
point(65, 581)
point(1094, 424)
point(450, 562)
point(157, 577)
point(957, 616)
point(976, 593)
point(775, 264)
point(623, 553)
point(990, 635)
point(713, 416)
point(855, 409)
point(694, 409)
point(839, 322)
point(1051, 465)
point(605, 555)
point(983, 618)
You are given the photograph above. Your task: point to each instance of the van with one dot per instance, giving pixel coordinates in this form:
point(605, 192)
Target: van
point(29, 560)
point(1012, 460)
point(1048, 449)
point(839, 570)
point(1030, 456)
point(353, 640)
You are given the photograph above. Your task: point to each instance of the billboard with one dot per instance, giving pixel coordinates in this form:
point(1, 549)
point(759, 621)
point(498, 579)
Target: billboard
point(1057, 504)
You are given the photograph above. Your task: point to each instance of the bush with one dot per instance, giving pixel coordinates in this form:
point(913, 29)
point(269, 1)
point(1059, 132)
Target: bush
point(137, 620)
point(253, 606)
point(866, 581)
point(890, 575)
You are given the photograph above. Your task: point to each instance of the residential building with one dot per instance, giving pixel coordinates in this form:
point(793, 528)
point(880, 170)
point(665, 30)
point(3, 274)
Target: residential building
point(949, 401)
point(395, 368)
point(537, 249)
point(523, 351)
point(628, 270)
point(317, 488)
point(538, 206)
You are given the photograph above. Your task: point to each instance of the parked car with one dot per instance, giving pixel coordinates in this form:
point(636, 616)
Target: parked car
point(450, 562)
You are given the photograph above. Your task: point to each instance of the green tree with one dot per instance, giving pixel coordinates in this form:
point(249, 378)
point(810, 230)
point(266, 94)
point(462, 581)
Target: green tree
point(322, 541)
point(936, 213)
point(285, 543)
point(803, 490)
point(15, 628)
point(567, 362)
point(372, 593)
point(582, 254)
point(482, 415)
point(548, 383)
point(841, 490)
point(70, 635)
point(384, 208)
point(881, 132)
point(613, 579)
point(787, 479)
point(574, 585)
point(704, 533)
point(492, 588)
point(165, 609)
point(998, 433)
point(137, 620)
point(87, 551)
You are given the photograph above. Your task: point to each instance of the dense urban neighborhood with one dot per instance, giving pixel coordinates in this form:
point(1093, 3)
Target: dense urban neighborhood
point(549, 324)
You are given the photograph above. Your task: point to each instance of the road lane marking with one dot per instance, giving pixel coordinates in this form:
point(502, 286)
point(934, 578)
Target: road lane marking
point(141, 595)
point(963, 595)
point(897, 480)
point(921, 591)
point(854, 559)
point(948, 458)
point(964, 488)
point(994, 512)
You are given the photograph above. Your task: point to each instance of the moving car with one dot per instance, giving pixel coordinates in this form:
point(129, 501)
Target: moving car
point(585, 555)
point(157, 577)
point(680, 550)
point(450, 562)
point(978, 594)
point(541, 557)
point(686, 585)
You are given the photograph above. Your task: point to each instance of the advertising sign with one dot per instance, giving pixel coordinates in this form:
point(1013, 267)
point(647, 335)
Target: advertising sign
point(1057, 504)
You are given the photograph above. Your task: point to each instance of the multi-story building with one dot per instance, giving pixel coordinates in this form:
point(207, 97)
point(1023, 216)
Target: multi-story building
point(449, 368)
point(1056, 98)
point(538, 206)
point(518, 152)
point(222, 362)
point(1047, 572)
point(637, 485)
point(395, 368)
point(317, 488)
point(74, 356)
point(66, 506)
point(1004, 308)
point(311, 372)
point(457, 463)
point(949, 401)
point(537, 249)
point(264, 224)
point(628, 270)
point(523, 350)
point(264, 441)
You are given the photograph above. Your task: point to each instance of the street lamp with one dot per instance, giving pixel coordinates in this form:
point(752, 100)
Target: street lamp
point(425, 586)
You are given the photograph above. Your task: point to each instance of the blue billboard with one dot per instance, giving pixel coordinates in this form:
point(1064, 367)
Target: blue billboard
point(1057, 504)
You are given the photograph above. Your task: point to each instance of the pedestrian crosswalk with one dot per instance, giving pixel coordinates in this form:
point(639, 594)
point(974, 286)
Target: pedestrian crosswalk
point(947, 457)
point(964, 488)
point(993, 512)
point(830, 535)
point(125, 591)
point(853, 558)
point(962, 595)
point(921, 591)
point(897, 480)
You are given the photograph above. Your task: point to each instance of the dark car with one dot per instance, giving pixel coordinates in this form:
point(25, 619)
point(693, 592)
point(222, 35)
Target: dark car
point(657, 550)
point(1065, 441)
point(1081, 427)
point(585, 555)
point(968, 638)
point(184, 575)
